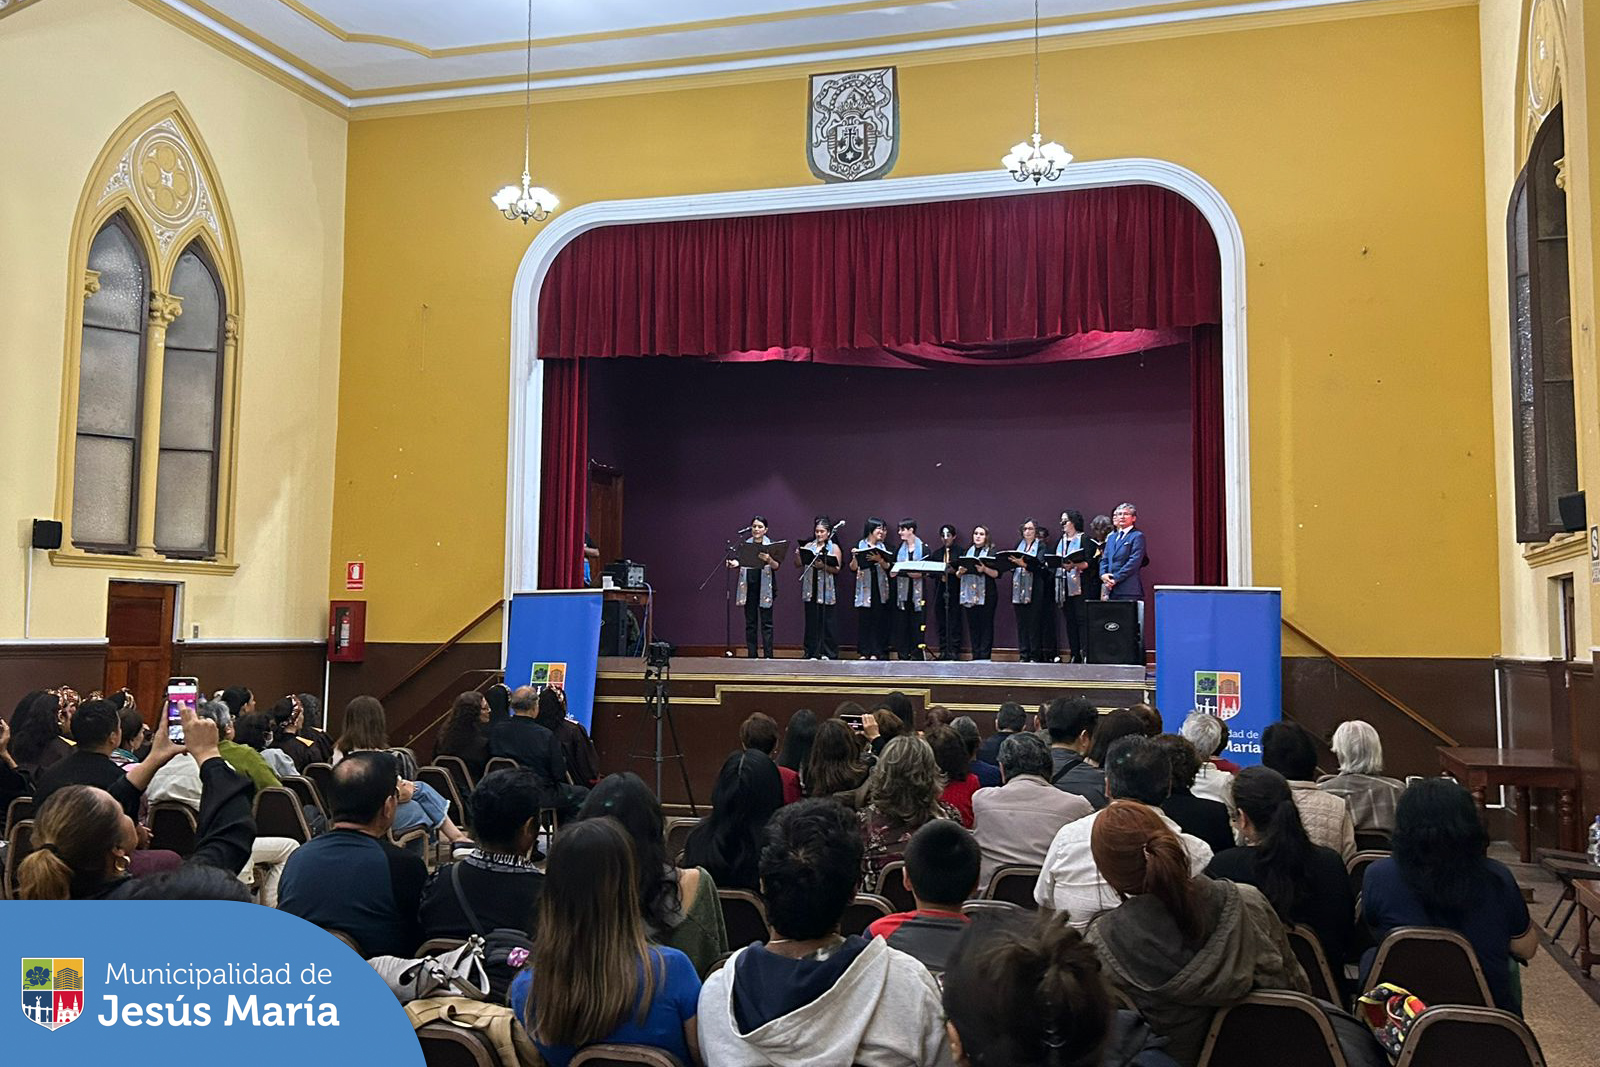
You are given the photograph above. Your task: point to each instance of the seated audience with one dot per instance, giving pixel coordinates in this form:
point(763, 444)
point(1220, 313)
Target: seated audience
point(1304, 883)
point(1208, 735)
point(465, 733)
point(1009, 720)
point(902, 794)
point(810, 996)
point(240, 700)
point(294, 734)
point(954, 762)
point(499, 697)
point(497, 880)
point(1149, 717)
point(798, 738)
point(937, 715)
point(1071, 723)
point(256, 731)
point(1181, 946)
point(987, 773)
point(366, 729)
point(942, 873)
point(244, 758)
point(12, 783)
point(83, 839)
point(36, 740)
point(882, 725)
point(1027, 990)
point(1204, 818)
point(1015, 823)
point(834, 768)
point(351, 878)
point(188, 882)
point(1287, 747)
point(520, 737)
point(592, 978)
point(1440, 875)
point(727, 843)
point(97, 729)
point(577, 751)
point(135, 734)
point(1072, 882)
point(1360, 783)
point(760, 734)
point(680, 909)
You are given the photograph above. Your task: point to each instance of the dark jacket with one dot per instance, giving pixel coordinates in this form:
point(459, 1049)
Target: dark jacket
point(522, 739)
point(349, 881)
point(1205, 819)
point(87, 768)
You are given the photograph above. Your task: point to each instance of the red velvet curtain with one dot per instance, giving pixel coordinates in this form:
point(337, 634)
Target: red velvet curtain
point(1210, 466)
point(564, 474)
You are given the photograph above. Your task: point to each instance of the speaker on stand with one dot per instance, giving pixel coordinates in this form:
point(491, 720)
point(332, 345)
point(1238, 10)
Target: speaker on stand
point(1113, 631)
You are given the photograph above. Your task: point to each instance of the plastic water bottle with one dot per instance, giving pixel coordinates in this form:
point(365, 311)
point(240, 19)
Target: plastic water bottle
point(1594, 841)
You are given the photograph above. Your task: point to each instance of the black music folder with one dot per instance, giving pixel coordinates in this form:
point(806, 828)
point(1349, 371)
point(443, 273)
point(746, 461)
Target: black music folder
point(749, 554)
point(868, 557)
point(808, 556)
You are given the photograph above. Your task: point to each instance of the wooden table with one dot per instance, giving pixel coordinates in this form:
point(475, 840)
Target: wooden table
point(1588, 898)
point(1480, 769)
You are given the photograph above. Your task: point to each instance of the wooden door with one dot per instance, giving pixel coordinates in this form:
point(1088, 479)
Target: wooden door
point(139, 641)
point(605, 514)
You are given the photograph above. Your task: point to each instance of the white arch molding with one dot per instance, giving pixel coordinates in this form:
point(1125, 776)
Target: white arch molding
point(527, 383)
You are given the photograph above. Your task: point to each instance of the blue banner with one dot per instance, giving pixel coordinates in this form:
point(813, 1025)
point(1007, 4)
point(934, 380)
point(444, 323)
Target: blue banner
point(553, 638)
point(1221, 650)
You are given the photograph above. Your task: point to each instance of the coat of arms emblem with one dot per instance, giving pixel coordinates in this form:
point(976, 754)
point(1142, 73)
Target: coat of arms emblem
point(854, 128)
point(52, 991)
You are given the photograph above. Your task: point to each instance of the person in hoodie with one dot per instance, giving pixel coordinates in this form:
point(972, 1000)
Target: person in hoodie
point(1181, 946)
point(810, 996)
point(1027, 991)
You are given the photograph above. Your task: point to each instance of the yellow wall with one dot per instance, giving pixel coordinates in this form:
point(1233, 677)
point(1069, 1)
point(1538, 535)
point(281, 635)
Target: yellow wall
point(70, 73)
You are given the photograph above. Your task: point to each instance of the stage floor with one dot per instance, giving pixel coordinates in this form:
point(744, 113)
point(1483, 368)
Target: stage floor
point(808, 670)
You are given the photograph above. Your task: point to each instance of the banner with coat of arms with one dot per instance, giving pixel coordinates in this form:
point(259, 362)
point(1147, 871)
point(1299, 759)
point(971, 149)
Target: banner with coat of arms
point(853, 124)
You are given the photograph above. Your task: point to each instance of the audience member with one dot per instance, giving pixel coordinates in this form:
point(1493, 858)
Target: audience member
point(1440, 875)
point(680, 908)
point(954, 762)
point(577, 751)
point(987, 773)
point(1072, 881)
point(97, 729)
point(1222, 762)
point(188, 882)
point(522, 738)
point(1204, 818)
point(1028, 991)
point(1287, 747)
point(798, 738)
point(882, 725)
point(1071, 723)
point(293, 736)
point(592, 978)
point(135, 733)
point(936, 715)
point(902, 794)
point(496, 884)
point(1207, 734)
point(759, 733)
point(239, 699)
point(1360, 783)
point(256, 731)
point(727, 843)
point(1009, 720)
point(1180, 946)
point(351, 878)
point(941, 872)
point(1015, 824)
point(465, 733)
point(243, 758)
point(1149, 717)
point(835, 768)
point(311, 725)
point(420, 806)
point(83, 839)
point(12, 782)
point(499, 697)
point(810, 996)
point(1304, 883)
point(36, 740)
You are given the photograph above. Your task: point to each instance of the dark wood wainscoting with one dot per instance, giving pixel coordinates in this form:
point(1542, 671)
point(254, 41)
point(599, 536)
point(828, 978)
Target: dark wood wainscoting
point(420, 699)
point(269, 669)
point(25, 667)
point(1554, 704)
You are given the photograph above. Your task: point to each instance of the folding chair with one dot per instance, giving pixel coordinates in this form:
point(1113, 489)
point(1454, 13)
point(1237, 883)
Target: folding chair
point(1437, 965)
point(744, 915)
point(1291, 1025)
point(1014, 885)
point(1454, 1034)
point(862, 912)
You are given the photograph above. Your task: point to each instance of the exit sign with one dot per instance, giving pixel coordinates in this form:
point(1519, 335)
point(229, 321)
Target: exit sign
point(355, 576)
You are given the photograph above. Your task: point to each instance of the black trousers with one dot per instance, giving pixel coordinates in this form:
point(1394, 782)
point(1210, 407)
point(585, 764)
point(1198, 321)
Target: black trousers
point(980, 624)
point(822, 640)
point(1044, 600)
point(757, 619)
point(1028, 637)
point(1072, 608)
point(947, 613)
point(910, 631)
point(872, 637)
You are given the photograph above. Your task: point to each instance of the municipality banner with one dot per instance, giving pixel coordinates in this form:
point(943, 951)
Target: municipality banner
point(1220, 650)
point(553, 639)
point(192, 981)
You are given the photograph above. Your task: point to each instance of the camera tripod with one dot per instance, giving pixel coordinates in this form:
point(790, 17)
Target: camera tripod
point(658, 704)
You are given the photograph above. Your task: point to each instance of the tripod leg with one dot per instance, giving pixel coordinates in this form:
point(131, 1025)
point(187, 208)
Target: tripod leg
point(683, 765)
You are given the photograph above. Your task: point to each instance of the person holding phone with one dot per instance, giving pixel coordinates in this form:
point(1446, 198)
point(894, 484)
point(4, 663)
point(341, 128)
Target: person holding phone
point(979, 594)
point(98, 730)
point(819, 590)
point(872, 593)
point(756, 588)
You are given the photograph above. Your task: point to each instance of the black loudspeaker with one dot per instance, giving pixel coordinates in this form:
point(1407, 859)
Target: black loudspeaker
point(1113, 631)
point(46, 534)
point(1574, 513)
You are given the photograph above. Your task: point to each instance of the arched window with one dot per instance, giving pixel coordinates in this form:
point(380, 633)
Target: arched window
point(191, 400)
point(1544, 416)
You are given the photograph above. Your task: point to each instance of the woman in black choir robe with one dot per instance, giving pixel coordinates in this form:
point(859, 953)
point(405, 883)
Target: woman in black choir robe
point(910, 606)
point(819, 590)
point(872, 594)
point(1025, 597)
point(947, 593)
point(756, 588)
point(1072, 579)
point(979, 594)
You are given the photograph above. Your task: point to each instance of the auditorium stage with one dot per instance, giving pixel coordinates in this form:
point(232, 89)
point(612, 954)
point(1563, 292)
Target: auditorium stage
point(711, 696)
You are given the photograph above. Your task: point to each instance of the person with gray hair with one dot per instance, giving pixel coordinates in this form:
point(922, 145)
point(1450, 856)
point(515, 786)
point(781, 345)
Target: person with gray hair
point(1370, 796)
point(1015, 823)
point(1207, 734)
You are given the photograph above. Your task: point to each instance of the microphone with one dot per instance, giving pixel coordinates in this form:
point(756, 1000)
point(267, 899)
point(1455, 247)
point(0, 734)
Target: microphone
point(840, 523)
point(747, 529)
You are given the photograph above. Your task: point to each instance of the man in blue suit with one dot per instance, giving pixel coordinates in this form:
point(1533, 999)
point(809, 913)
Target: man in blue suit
point(1123, 557)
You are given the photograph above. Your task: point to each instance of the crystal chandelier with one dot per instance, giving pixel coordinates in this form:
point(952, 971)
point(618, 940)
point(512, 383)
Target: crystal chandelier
point(527, 202)
point(1036, 161)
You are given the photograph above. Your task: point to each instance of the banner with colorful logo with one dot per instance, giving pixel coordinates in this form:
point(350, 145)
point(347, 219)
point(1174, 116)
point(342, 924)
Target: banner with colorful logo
point(553, 639)
point(1220, 650)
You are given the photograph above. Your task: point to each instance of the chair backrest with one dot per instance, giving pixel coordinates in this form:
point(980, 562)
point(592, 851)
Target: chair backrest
point(277, 814)
point(20, 808)
point(444, 783)
point(892, 886)
point(305, 791)
point(20, 843)
point(677, 832)
point(1308, 950)
point(438, 946)
point(1454, 1034)
point(444, 1045)
point(1439, 966)
point(622, 1056)
point(500, 763)
point(459, 771)
point(172, 827)
point(862, 912)
point(974, 908)
point(1372, 841)
point(321, 775)
point(355, 946)
point(1357, 866)
point(744, 915)
point(1292, 1025)
point(1014, 885)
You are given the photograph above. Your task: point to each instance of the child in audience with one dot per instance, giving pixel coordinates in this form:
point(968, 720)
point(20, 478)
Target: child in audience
point(941, 871)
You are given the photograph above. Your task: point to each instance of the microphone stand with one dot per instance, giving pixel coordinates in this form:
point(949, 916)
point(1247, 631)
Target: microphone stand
point(727, 594)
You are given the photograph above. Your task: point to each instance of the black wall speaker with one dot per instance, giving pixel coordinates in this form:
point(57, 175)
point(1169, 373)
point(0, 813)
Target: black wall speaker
point(1574, 513)
point(46, 533)
point(1113, 631)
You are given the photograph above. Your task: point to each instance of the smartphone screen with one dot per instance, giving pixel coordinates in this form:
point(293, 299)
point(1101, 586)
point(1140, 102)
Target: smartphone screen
point(181, 693)
point(852, 721)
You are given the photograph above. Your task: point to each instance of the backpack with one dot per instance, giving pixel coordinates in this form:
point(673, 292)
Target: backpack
point(1389, 1012)
point(506, 949)
point(493, 1026)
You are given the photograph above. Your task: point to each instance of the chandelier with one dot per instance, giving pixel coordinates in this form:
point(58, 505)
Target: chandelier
point(1037, 161)
point(527, 202)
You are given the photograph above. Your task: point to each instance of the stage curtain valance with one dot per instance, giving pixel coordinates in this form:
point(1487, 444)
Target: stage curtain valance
point(821, 284)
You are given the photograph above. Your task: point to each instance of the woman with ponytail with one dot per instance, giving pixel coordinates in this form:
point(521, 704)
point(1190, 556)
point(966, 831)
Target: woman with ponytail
point(1304, 883)
point(1181, 947)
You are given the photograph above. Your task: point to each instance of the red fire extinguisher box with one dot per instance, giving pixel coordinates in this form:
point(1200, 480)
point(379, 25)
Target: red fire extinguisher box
point(347, 631)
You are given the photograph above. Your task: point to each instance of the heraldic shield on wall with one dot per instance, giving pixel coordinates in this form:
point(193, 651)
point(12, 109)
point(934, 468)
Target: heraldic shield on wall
point(854, 130)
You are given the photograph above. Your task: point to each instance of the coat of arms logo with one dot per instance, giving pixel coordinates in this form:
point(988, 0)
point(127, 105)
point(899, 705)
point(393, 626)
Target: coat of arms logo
point(52, 990)
point(854, 127)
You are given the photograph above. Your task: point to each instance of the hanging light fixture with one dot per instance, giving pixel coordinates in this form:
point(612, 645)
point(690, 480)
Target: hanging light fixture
point(1037, 161)
point(527, 202)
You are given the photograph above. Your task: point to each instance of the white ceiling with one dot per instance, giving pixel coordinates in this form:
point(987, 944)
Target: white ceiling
point(370, 52)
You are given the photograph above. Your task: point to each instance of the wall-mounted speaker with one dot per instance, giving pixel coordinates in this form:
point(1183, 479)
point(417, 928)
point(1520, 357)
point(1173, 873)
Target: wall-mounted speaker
point(46, 534)
point(1574, 513)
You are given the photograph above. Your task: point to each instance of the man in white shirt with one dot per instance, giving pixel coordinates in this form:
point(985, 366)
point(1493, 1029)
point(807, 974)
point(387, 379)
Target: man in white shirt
point(1015, 823)
point(1136, 769)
